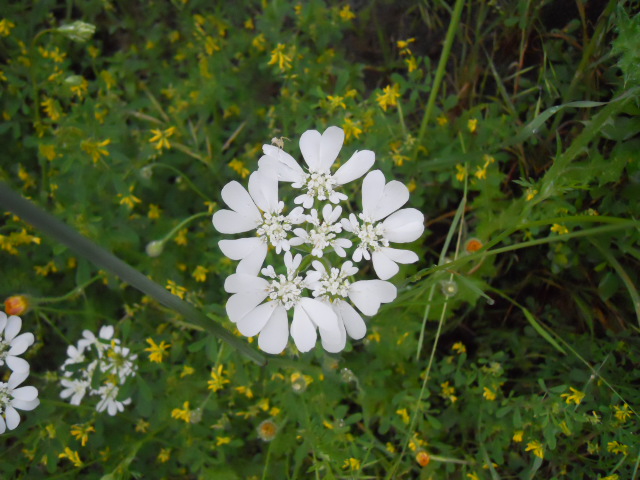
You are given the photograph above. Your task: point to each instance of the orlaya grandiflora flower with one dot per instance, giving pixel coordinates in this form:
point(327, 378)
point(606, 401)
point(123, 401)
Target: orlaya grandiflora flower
point(382, 200)
point(258, 209)
point(319, 152)
point(270, 319)
point(13, 399)
point(334, 288)
point(12, 344)
point(322, 234)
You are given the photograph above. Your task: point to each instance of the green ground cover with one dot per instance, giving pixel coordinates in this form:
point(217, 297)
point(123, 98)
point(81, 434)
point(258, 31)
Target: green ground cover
point(509, 349)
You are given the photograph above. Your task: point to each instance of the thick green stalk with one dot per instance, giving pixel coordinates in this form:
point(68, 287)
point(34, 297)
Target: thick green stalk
point(106, 260)
point(440, 72)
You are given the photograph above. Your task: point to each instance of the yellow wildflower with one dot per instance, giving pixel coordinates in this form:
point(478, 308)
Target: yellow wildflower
point(222, 441)
point(517, 436)
point(448, 392)
point(93, 51)
point(559, 229)
point(81, 88)
point(536, 447)
point(278, 57)
point(187, 370)
point(48, 151)
point(412, 64)
point(5, 27)
point(96, 149)
point(472, 125)
point(335, 102)
point(617, 447)
point(473, 476)
point(183, 413)
point(51, 108)
point(45, 270)
point(239, 167)
point(161, 138)
point(259, 42)
point(81, 432)
point(576, 396)
point(459, 348)
point(129, 200)
point(248, 24)
point(623, 413)
point(462, 172)
point(154, 211)
point(531, 193)
point(181, 237)
point(73, 457)
point(389, 96)
point(481, 173)
point(404, 414)
point(164, 455)
point(157, 352)
point(489, 394)
point(351, 129)
point(142, 425)
point(246, 391)
point(176, 289)
point(403, 45)
point(611, 477)
point(200, 274)
point(217, 381)
point(390, 447)
point(374, 336)
point(442, 120)
point(351, 464)
point(346, 14)
point(412, 185)
point(27, 179)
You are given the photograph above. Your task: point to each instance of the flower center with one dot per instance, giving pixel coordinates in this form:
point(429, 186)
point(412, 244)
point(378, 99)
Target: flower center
point(371, 236)
point(319, 185)
point(333, 285)
point(274, 228)
point(5, 396)
point(286, 290)
point(320, 236)
point(4, 350)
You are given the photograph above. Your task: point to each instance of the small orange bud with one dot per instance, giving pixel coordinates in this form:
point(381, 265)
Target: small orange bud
point(16, 305)
point(423, 458)
point(473, 245)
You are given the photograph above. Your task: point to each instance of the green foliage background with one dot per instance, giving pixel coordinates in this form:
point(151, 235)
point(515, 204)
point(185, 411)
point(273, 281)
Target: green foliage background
point(529, 144)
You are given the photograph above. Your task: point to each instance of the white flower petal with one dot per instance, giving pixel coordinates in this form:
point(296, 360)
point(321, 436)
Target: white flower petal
point(12, 416)
point(333, 342)
point(356, 166)
point(245, 283)
point(240, 304)
point(367, 295)
point(25, 393)
point(17, 378)
point(399, 256)
point(303, 331)
point(17, 364)
point(284, 164)
point(239, 200)
point(3, 426)
point(263, 188)
point(320, 313)
point(3, 321)
point(330, 145)
point(21, 343)
point(384, 267)
point(26, 405)
point(310, 148)
point(228, 222)
point(254, 321)
point(372, 188)
point(106, 332)
point(394, 196)
point(275, 334)
point(353, 322)
point(404, 226)
point(14, 323)
point(251, 251)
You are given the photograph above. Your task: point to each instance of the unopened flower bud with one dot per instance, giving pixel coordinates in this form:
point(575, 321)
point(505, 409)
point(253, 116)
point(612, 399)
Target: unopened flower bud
point(154, 249)
point(449, 288)
point(195, 416)
point(74, 80)
point(16, 305)
point(146, 172)
point(423, 458)
point(77, 31)
point(473, 245)
point(347, 375)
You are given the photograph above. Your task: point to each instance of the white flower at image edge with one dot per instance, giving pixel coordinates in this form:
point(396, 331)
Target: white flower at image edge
point(320, 153)
point(367, 295)
point(75, 389)
point(382, 200)
point(258, 209)
point(12, 344)
point(270, 319)
point(12, 398)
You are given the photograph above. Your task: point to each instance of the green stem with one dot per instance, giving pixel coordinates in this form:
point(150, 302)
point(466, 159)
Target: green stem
point(182, 175)
point(103, 259)
point(440, 72)
point(182, 224)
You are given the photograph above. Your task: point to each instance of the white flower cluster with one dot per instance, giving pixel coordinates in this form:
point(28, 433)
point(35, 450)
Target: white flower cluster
point(262, 297)
point(12, 397)
point(98, 366)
